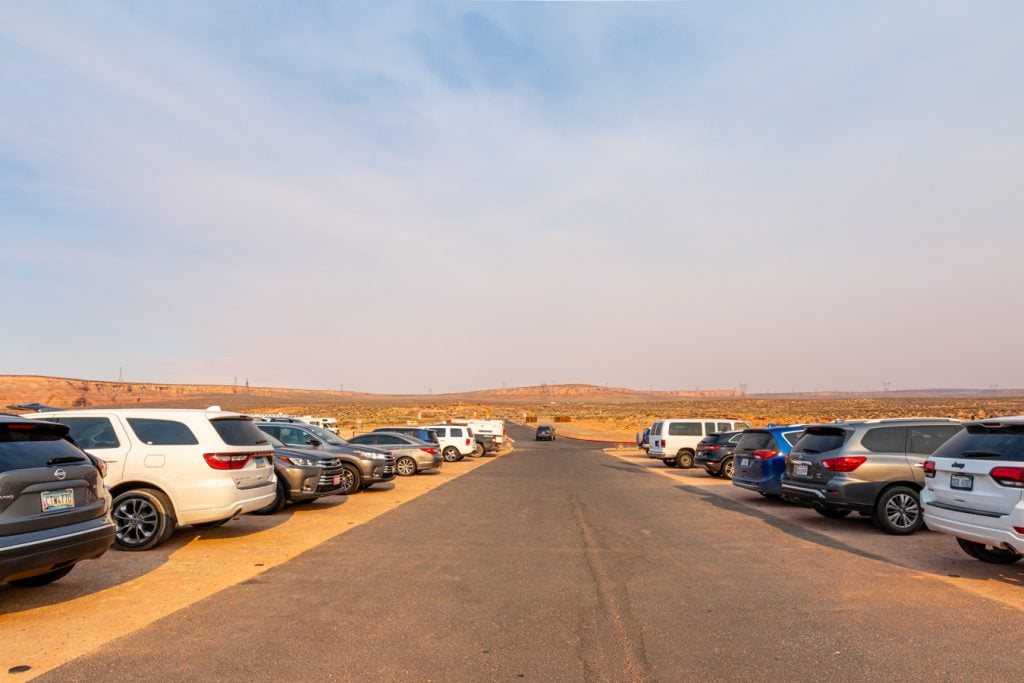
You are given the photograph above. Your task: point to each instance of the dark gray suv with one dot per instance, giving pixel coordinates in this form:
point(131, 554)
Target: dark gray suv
point(54, 511)
point(873, 467)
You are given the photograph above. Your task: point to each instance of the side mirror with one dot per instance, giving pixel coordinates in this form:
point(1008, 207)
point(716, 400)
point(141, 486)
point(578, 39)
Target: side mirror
point(313, 442)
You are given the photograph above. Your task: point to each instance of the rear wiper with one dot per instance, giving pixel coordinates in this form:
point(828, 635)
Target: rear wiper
point(980, 454)
point(62, 460)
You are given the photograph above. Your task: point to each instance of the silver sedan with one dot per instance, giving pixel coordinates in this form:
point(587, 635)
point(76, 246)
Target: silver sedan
point(411, 454)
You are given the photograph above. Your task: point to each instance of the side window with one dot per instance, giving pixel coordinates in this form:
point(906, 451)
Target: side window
point(723, 427)
point(792, 437)
point(367, 439)
point(684, 429)
point(741, 425)
point(162, 432)
point(273, 431)
point(709, 427)
point(441, 431)
point(294, 437)
point(456, 431)
point(886, 440)
point(93, 433)
point(924, 440)
point(388, 440)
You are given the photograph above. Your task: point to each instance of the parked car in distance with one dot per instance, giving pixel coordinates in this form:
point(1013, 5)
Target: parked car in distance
point(545, 433)
point(715, 453)
point(303, 475)
point(760, 458)
point(674, 441)
point(456, 441)
point(411, 455)
point(973, 489)
point(643, 439)
point(872, 467)
point(362, 466)
point(174, 467)
point(421, 433)
point(54, 509)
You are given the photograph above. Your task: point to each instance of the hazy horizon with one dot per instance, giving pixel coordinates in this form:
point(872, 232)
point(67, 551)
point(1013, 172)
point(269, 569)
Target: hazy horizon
point(448, 197)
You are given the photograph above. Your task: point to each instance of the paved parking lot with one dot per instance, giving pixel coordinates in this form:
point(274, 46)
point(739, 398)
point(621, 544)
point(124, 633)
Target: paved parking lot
point(559, 561)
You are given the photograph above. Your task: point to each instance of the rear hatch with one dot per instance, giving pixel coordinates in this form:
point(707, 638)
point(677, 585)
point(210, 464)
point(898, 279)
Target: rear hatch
point(45, 481)
point(249, 456)
point(754, 448)
point(713, 446)
point(655, 443)
point(812, 449)
point(979, 469)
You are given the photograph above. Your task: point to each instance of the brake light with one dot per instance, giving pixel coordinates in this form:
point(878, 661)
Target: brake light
point(101, 465)
point(712, 447)
point(228, 461)
point(765, 453)
point(431, 451)
point(929, 468)
point(1008, 476)
point(17, 426)
point(847, 463)
point(467, 442)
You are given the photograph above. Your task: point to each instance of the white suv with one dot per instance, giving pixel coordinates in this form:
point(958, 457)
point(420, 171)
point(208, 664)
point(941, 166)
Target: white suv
point(974, 489)
point(674, 441)
point(167, 468)
point(455, 441)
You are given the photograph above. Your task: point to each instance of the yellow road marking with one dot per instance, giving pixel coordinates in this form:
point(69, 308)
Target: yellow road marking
point(46, 637)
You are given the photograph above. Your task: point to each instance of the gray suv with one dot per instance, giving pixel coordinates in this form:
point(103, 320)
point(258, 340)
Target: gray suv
point(54, 511)
point(362, 466)
point(872, 467)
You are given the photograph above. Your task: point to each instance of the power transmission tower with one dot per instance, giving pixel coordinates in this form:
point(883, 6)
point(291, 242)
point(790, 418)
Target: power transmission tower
point(885, 387)
point(743, 388)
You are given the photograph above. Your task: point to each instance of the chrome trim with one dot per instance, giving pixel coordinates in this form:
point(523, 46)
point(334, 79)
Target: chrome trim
point(957, 508)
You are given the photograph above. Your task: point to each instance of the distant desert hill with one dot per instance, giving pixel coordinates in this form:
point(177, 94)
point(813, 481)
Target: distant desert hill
point(587, 392)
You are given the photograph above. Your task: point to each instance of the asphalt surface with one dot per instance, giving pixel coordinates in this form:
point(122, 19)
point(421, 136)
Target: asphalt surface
point(560, 562)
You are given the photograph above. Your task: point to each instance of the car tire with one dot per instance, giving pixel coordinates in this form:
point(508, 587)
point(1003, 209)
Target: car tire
point(143, 518)
point(684, 459)
point(830, 513)
point(451, 454)
point(726, 468)
point(42, 579)
point(405, 466)
point(988, 554)
point(898, 511)
point(669, 463)
point(478, 450)
point(351, 480)
point(275, 505)
point(712, 473)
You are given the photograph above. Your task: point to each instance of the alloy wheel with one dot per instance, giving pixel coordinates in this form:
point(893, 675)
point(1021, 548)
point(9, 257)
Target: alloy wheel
point(136, 521)
point(405, 467)
point(902, 511)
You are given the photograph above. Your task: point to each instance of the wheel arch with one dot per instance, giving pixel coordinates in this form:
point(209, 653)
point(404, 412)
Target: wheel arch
point(131, 484)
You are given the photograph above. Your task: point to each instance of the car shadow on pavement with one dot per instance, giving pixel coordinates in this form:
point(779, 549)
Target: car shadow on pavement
point(964, 566)
point(117, 567)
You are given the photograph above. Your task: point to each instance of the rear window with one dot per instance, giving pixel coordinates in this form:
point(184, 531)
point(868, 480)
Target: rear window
point(755, 441)
point(94, 433)
point(1004, 445)
point(684, 429)
point(656, 428)
point(715, 438)
point(162, 432)
point(886, 440)
point(239, 432)
point(23, 447)
point(821, 440)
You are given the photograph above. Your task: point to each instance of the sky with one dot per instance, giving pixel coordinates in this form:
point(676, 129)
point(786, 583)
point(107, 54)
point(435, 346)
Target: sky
point(413, 197)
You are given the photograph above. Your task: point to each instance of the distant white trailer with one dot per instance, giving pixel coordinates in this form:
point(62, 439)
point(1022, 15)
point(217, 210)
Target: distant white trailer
point(495, 428)
point(328, 423)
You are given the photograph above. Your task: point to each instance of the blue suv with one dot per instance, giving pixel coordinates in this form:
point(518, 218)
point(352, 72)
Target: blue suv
point(760, 457)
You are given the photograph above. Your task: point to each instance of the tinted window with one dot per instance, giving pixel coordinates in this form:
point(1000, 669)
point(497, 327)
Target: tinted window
point(441, 431)
point(709, 427)
point(886, 440)
point(456, 431)
point(364, 439)
point(756, 441)
point(293, 436)
point(239, 432)
point(820, 440)
point(656, 428)
point(684, 429)
point(91, 432)
point(1004, 445)
point(792, 437)
point(35, 446)
point(325, 435)
point(924, 440)
point(723, 427)
point(272, 431)
point(162, 432)
point(388, 440)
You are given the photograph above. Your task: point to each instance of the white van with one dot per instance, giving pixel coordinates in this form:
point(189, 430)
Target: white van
point(169, 468)
point(674, 441)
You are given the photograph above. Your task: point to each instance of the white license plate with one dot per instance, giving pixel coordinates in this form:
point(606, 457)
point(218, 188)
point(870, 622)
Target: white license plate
point(61, 499)
point(744, 462)
point(261, 462)
point(964, 482)
point(801, 470)
point(336, 480)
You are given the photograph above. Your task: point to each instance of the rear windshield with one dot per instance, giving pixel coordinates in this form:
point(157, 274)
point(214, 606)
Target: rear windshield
point(1004, 445)
point(820, 440)
point(756, 441)
point(716, 438)
point(25, 446)
point(239, 432)
point(656, 428)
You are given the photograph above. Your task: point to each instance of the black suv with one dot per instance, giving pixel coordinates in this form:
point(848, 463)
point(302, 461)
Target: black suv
point(54, 511)
point(715, 453)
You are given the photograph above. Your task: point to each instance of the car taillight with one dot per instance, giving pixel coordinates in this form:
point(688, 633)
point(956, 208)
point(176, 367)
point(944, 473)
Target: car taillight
point(929, 468)
point(101, 465)
point(1008, 476)
point(847, 463)
point(431, 451)
point(228, 461)
point(765, 453)
point(467, 442)
point(711, 447)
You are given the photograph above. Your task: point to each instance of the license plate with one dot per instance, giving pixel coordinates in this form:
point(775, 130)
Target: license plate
point(744, 462)
point(261, 462)
point(61, 499)
point(801, 470)
point(336, 480)
point(964, 482)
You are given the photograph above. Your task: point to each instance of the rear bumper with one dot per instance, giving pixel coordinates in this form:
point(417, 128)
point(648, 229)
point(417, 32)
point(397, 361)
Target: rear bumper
point(427, 461)
point(245, 501)
point(839, 494)
point(994, 530)
point(35, 553)
point(771, 486)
